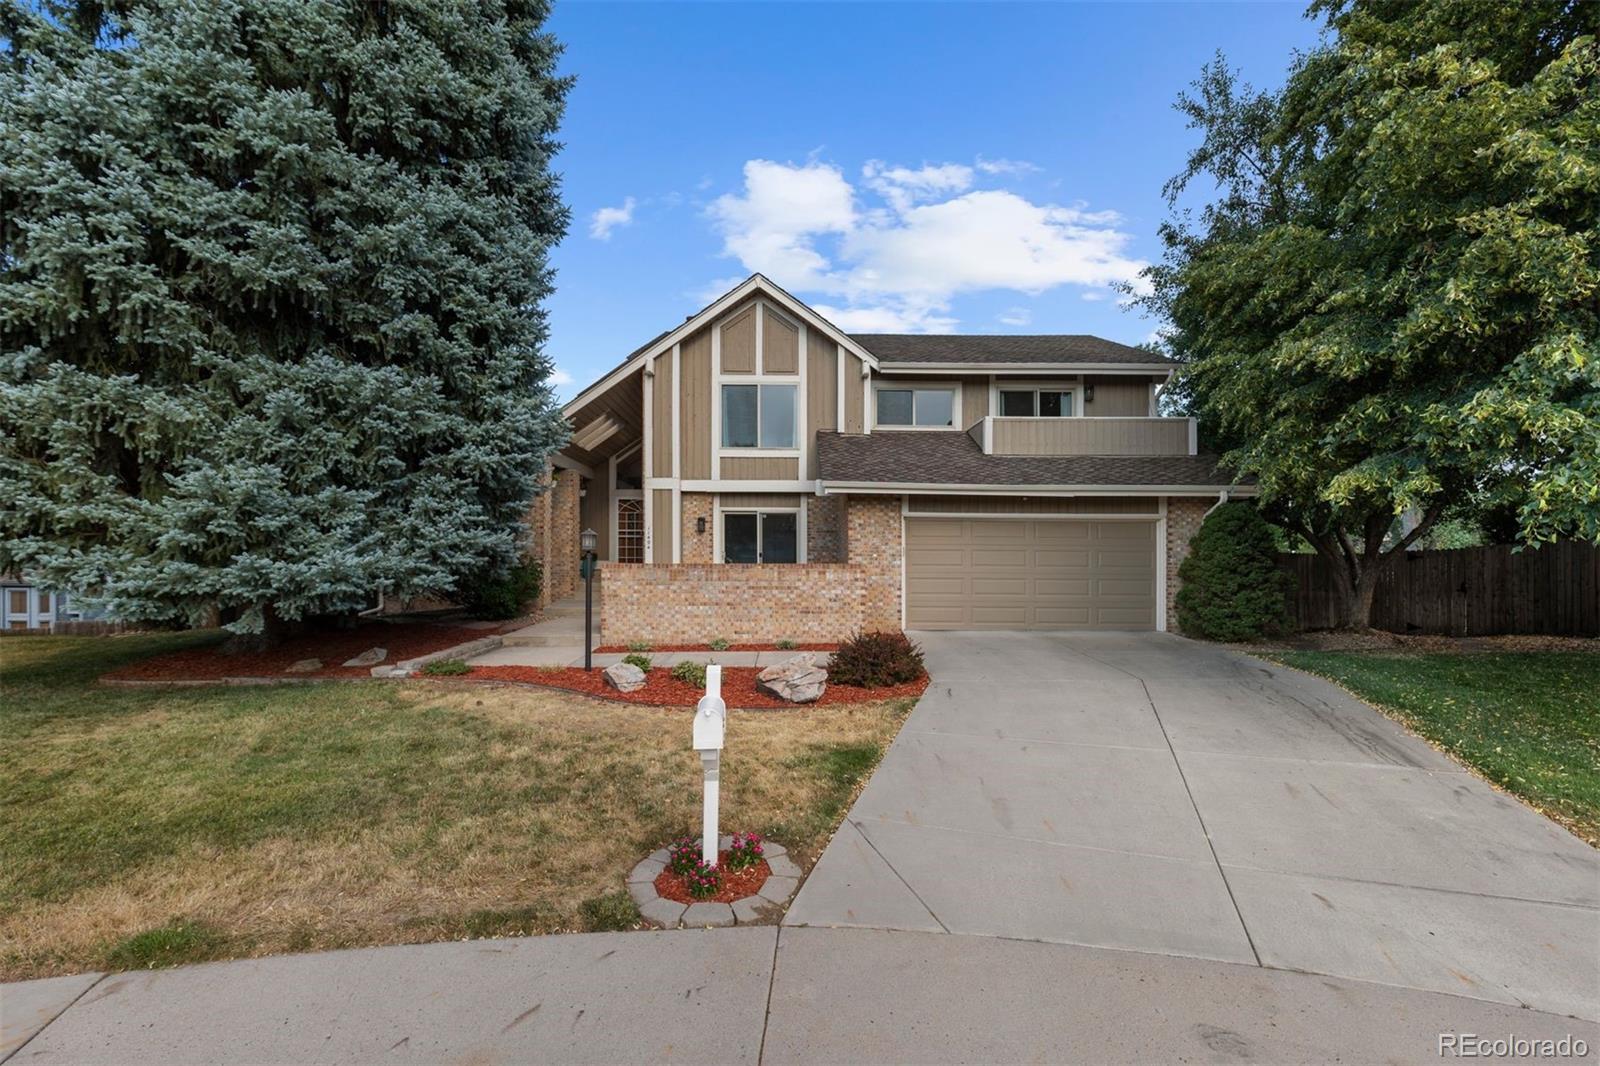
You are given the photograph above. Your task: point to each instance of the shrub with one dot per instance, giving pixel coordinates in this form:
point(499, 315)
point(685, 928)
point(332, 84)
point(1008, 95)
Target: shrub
point(876, 660)
point(446, 668)
point(610, 913)
point(703, 881)
point(503, 595)
point(682, 855)
point(719, 643)
point(745, 850)
point(693, 673)
point(785, 644)
point(1233, 588)
point(635, 659)
point(638, 645)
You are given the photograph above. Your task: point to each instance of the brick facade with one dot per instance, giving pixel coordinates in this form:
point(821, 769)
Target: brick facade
point(695, 603)
point(554, 524)
point(874, 543)
point(697, 547)
point(1184, 515)
point(825, 529)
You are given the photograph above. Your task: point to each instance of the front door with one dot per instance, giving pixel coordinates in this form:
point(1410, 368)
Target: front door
point(630, 531)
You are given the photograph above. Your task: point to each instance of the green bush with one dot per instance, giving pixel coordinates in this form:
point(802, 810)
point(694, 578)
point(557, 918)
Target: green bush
point(446, 668)
point(693, 673)
point(785, 644)
point(638, 645)
point(635, 659)
point(503, 595)
point(719, 643)
point(876, 660)
point(1233, 588)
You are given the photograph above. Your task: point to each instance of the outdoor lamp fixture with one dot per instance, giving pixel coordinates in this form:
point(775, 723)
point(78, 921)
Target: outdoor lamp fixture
point(588, 540)
point(1088, 394)
point(700, 524)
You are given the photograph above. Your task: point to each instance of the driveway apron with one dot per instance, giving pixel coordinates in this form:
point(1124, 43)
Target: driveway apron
point(1144, 792)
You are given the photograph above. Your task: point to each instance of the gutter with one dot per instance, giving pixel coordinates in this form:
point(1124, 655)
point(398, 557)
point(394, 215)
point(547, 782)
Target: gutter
point(828, 488)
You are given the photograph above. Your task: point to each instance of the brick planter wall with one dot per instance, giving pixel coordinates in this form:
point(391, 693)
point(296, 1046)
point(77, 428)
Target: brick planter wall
point(873, 540)
point(1184, 516)
point(694, 603)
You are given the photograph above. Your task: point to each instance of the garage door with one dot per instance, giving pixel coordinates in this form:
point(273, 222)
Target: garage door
point(989, 573)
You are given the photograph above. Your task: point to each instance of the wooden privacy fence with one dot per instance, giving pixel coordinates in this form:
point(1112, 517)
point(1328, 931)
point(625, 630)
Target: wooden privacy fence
point(1463, 592)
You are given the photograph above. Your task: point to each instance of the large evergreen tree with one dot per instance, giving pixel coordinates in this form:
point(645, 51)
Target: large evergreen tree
point(1392, 302)
point(271, 274)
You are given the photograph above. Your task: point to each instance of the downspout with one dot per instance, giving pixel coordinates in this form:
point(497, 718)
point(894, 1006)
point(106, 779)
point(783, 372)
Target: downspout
point(370, 611)
point(1222, 497)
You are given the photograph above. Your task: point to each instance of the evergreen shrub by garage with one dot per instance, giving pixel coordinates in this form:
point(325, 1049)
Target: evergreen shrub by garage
point(1233, 588)
point(876, 660)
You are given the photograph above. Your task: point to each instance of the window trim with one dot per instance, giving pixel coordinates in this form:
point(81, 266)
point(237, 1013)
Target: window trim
point(720, 549)
point(1075, 388)
point(957, 421)
point(759, 449)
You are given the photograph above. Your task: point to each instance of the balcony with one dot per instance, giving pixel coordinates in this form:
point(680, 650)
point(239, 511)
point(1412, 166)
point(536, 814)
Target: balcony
point(1085, 436)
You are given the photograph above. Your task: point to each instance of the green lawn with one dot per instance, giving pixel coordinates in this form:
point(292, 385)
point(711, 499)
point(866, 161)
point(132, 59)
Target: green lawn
point(1529, 722)
point(147, 826)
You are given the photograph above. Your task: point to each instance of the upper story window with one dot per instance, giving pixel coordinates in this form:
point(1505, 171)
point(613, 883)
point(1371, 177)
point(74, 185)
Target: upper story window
point(1036, 403)
point(928, 408)
point(758, 416)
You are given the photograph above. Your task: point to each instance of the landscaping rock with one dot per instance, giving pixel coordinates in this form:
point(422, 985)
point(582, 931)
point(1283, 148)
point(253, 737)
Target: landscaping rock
point(782, 866)
point(370, 657)
point(643, 892)
point(797, 680)
point(663, 911)
point(303, 666)
point(778, 889)
point(700, 915)
point(624, 677)
point(646, 871)
point(750, 909)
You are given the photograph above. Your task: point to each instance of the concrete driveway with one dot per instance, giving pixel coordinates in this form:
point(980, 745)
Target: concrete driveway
point(1149, 793)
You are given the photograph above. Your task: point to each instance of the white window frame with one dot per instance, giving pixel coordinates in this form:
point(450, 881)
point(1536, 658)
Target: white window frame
point(760, 377)
point(957, 423)
point(722, 513)
point(1036, 387)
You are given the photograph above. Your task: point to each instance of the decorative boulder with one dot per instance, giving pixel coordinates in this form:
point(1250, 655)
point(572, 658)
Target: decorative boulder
point(624, 677)
point(798, 680)
point(370, 657)
point(303, 666)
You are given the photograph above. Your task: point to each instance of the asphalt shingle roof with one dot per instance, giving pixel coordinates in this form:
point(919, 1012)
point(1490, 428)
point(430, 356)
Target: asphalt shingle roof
point(924, 458)
point(1003, 348)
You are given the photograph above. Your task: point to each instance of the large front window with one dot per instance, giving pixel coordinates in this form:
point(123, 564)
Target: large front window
point(758, 416)
point(916, 407)
point(760, 537)
point(1036, 403)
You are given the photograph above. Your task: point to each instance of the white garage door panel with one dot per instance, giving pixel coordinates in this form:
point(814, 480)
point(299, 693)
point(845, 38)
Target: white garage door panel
point(995, 573)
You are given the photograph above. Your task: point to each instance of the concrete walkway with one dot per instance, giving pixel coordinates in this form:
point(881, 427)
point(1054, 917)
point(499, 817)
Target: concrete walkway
point(1149, 793)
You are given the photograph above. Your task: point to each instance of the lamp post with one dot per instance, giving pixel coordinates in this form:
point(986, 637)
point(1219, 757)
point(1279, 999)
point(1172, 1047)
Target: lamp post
point(588, 541)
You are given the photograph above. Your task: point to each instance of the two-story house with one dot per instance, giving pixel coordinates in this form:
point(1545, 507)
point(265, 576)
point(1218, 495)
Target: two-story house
point(757, 473)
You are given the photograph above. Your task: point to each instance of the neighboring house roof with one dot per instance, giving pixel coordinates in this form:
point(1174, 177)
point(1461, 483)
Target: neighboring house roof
point(895, 458)
point(1004, 349)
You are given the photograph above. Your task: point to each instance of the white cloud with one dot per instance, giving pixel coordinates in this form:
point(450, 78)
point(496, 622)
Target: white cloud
point(1092, 295)
point(1006, 166)
point(895, 265)
point(603, 221)
point(559, 377)
point(1016, 316)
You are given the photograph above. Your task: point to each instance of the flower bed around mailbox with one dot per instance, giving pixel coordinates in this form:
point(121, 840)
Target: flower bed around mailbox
point(661, 689)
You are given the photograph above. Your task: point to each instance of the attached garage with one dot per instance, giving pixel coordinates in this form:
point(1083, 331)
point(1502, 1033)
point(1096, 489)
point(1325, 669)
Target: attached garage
point(1026, 573)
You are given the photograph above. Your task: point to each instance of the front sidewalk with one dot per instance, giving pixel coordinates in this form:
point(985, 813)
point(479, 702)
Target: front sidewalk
point(739, 995)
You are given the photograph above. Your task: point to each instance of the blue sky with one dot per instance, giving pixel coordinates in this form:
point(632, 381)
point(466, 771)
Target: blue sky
point(905, 167)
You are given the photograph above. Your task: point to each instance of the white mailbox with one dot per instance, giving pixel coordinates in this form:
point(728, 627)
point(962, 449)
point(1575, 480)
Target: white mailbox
point(710, 722)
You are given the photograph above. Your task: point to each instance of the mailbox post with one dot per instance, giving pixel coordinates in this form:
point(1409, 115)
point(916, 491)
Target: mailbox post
point(710, 722)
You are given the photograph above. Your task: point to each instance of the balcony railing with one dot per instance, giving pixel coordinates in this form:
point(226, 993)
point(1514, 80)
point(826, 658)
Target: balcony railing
point(1085, 436)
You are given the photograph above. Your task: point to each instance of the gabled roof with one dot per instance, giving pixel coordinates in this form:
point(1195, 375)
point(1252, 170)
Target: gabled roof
point(1005, 348)
point(889, 458)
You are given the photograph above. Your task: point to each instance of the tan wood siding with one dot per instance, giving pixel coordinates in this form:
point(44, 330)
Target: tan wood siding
point(1115, 396)
point(739, 341)
point(624, 402)
point(737, 501)
point(660, 527)
point(1091, 436)
point(661, 418)
point(822, 391)
point(974, 400)
point(780, 344)
point(595, 513)
point(1035, 505)
point(694, 410)
point(852, 395)
point(977, 573)
point(760, 468)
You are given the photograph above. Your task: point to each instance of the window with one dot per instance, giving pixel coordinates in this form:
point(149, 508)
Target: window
point(1036, 403)
point(760, 537)
point(916, 407)
point(758, 416)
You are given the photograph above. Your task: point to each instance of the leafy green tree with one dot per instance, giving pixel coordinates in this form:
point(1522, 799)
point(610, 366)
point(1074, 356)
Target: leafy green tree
point(271, 276)
point(1232, 586)
point(1392, 301)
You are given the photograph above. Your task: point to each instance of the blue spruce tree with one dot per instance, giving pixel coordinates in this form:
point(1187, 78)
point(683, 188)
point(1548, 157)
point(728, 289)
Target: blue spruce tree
point(271, 277)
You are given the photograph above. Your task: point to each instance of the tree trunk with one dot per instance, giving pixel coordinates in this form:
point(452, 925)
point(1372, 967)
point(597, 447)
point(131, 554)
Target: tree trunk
point(1357, 567)
point(1353, 607)
point(273, 630)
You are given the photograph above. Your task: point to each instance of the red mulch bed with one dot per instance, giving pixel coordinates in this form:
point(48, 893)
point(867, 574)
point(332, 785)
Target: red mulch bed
point(736, 884)
point(613, 649)
point(404, 640)
point(661, 689)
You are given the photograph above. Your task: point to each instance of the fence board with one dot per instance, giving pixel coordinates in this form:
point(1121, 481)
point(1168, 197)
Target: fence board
point(1552, 589)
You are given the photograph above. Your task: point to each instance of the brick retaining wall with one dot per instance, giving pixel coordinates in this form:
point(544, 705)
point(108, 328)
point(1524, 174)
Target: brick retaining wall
point(694, 603)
